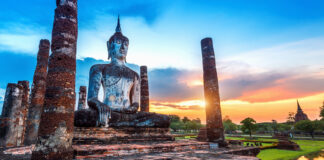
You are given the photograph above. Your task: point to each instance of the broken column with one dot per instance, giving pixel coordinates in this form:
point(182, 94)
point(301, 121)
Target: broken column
point(23, 112)
point(10, 115)
point(37, 93)
point(214, 126)
point(82, 98)
point(145, 101)
point(56, 125)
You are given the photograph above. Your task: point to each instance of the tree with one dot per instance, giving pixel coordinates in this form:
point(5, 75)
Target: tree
point(308, 126)
point(229, 126)
point(185, 120)
point(197, 120)
point(322, 111)
point(264, 127)
point(174, 118)
point(248, 126)
point(175, 126)
point(274, 126)
point(284, 127)
point(291, 118)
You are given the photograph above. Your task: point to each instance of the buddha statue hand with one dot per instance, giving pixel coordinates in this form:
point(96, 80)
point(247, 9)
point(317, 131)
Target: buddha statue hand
point(104, 112)
point(132, 108)
point(104, 115)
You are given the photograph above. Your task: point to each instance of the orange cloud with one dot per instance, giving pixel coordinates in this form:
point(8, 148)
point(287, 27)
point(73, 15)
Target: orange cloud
point(267, 94)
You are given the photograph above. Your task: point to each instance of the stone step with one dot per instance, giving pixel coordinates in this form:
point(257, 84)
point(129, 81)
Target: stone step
point(85, 141)
point(120, 150)
point(180, 149)
point(183, 155)
point(97, 135)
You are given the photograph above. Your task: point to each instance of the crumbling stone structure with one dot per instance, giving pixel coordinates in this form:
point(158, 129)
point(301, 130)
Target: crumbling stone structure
point(82, 98)
point(214, 126)
point(10, 117)
point(37, 93)
point(56, 125)
point(300, 115)
point(145, 102)
point(23, 110)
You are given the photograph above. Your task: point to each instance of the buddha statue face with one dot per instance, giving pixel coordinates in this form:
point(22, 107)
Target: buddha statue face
point(117, 46)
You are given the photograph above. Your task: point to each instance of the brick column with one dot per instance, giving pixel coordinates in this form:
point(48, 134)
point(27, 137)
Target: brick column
point(56, 125)
point(145, 101)
point(215, 130)
point(82, 98)
point(9, 121)
point(23, 112)
point(37, 93)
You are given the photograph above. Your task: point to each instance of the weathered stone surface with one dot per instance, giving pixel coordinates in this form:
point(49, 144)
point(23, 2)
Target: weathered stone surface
point(37, 93)
point(215, 130)
point(288, 145)
point(56, 125)
point(96, 135)
point(88, 118)
point(82, 98)
point(23, 112)
point(180, 149)
point(145, 102)
point(202, 135)
point(11, 116)
point(85, 118)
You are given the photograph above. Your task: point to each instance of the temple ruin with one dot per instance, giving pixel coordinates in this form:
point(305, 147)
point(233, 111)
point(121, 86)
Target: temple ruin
point(10, 122)
point(37, 93)
point(300, 115)
point(56, 125)
point(82, 98)
point(145, 101)
point(118, 126)
point(214, 125)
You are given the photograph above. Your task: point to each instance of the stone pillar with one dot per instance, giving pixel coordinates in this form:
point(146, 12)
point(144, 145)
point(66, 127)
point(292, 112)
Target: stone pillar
point(9, 121)
point(37, 93)
point(23, 111)
point(82, 98)
point(215, 130)
point(55, 131)
point(145, 101)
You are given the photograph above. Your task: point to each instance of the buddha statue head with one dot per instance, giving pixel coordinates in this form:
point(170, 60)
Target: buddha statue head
point(117, 45)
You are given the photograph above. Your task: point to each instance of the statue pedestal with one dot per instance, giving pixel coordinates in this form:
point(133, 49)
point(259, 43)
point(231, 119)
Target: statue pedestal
point(96, 135)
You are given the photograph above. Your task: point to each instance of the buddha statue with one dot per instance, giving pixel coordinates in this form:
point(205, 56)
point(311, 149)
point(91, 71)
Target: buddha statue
point(121, 87)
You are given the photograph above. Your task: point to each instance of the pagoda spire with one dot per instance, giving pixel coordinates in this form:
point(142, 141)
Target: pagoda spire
point(118, 29)
point(298, 106)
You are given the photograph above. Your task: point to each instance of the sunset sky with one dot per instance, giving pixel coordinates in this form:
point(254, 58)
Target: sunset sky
point(268, 53)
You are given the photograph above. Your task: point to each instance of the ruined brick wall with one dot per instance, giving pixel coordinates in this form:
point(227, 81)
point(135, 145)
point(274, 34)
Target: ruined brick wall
point(9, 121)
point(145, 101)
point(82, 98)
point(23, 110)
point(37, 93)
point(215, 130)
point(56, 126)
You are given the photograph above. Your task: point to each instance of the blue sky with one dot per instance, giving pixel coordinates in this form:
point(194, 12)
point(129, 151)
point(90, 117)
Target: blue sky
point(257, 43)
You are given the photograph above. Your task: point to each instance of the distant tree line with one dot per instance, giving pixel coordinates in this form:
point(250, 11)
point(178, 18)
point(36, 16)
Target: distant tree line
point(185, 125)
point(250, 126)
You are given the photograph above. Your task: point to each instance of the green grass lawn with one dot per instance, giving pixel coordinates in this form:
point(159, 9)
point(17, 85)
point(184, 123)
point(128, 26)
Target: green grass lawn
point(306, 146)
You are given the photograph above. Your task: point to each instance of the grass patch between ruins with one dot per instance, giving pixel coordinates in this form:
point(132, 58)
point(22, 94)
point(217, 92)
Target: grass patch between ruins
point(307, 147)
